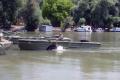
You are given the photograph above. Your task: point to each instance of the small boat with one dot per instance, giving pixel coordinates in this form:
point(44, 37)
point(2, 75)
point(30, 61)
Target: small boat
point(115, 29)
point(36, 44)
point(84, 29)
point(99, 30)
point(4, 46)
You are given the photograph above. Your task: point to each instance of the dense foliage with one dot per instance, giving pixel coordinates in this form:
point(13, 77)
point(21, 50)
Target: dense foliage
point(97, 13)
point(56, 10)
point(31, 19)
point(8, 12)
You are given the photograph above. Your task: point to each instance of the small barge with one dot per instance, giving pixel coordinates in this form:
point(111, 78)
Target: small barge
point(38, 44)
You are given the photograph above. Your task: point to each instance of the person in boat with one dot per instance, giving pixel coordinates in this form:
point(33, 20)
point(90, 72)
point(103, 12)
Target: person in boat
point(52, 46)
point(60, 36)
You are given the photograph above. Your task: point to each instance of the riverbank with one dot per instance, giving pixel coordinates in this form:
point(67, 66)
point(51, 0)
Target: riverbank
point(59, 29)
point(18, 28)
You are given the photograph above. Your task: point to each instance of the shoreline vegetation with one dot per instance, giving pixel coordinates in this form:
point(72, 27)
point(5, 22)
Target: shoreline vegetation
point(61, 14)
point(20, 28)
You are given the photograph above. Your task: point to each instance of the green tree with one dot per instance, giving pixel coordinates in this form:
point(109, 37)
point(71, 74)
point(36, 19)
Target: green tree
point(118, 6)
point(101, 13)
point(30, 16)
point(116, 21)
point(56, 10)
point(67, 23)
point(80, 11)
point(97, 13)
point(1, 14)
point(45, 22)
point(84, 9)
point(9, 12)
point(82, 21)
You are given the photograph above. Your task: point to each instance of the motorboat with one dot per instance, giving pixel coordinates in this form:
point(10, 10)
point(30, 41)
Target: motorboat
point(99, 30)
point(84, 29)
point(115, 29)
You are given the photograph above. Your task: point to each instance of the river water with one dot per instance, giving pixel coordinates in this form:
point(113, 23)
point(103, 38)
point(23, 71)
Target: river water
point(80, 64)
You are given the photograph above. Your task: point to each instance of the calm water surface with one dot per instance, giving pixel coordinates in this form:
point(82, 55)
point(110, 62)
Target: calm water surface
point(80, 64)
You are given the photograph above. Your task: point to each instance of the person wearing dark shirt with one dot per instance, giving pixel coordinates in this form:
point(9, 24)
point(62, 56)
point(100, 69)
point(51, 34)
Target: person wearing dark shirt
point(52, 46)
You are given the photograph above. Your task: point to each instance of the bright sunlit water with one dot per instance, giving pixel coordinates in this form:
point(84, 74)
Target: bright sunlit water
point(71, 64)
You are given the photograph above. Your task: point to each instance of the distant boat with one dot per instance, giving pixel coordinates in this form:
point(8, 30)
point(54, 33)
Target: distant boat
point(99, 30)
point(84, 29)
point(46, 28)
point(115, 29)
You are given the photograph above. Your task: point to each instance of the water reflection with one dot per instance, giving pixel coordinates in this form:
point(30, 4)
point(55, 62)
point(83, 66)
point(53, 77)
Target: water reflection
point(80, 64)
point(70, 65)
